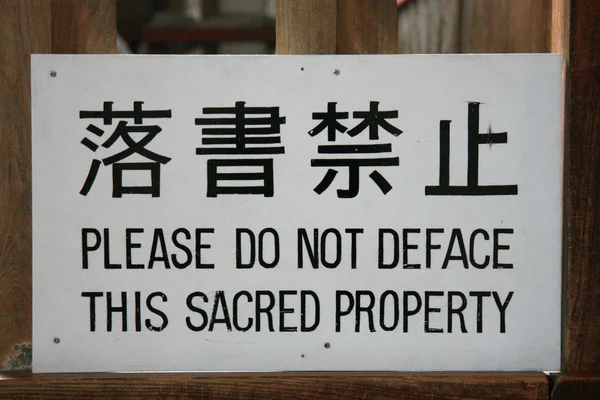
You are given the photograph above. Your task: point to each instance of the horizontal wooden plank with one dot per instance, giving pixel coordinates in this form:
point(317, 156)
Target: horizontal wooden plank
point(390, 386)
point(576, 388)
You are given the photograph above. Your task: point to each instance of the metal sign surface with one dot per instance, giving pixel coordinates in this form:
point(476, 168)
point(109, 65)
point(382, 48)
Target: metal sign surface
point(256, 213)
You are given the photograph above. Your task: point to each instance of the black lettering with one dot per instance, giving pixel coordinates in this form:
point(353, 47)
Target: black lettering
point(85, 247)
point(313, 251)
point(264, 310)
point(192, 307)
point(303, 303)
point(430, 310)
point(219, 300)
point(129, 245)
point(156, 311)
point(92, 296)
point(429, 246)
point(200, 246)
point(110, 309)
point(236, 324)
point(396, 315)
point(502, 309)
point(456, 237)
point(353, 248)
point(159, 239)
point(138, 311)
point(338, 311)
point(396, 252)
point(107, 263)
point(238, 248)
point(480, 296)
point(498, 247)
point(367, 309)
point(261, 259)
point(474, 263)
point(406, 312)
point(283, 310)
point(188, 253)
point(458, 311)
point(338, 248)
point(406, 246)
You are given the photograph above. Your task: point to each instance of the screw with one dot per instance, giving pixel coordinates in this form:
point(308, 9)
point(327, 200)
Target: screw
point(56, 340)
point(53, 74)
point(336, 71)
point(302, 355)
point(327, 345)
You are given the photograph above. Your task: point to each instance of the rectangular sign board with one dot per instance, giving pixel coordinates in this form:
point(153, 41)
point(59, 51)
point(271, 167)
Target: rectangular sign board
point(296, 213)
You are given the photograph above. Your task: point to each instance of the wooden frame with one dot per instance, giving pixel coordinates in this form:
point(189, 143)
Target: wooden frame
point(306, 27)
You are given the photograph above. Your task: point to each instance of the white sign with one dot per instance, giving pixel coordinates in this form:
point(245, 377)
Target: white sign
point(381, 213)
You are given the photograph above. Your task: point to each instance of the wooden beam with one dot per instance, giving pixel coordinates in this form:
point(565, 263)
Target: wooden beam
point(306, 26)
point(439, 387)
point(580, 388)
point(84, 26)
point(367, 27)
point(505, 26)
point(582, 209)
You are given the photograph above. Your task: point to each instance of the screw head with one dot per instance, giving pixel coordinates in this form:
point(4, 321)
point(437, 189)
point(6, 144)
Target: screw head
point(53, 74)
point(327, 345)
point(336, 71)
point(56, 340)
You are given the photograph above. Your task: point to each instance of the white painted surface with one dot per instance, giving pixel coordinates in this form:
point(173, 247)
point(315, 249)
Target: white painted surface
point(520, 94)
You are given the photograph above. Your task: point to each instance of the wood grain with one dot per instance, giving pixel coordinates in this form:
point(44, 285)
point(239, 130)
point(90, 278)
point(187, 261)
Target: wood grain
point(576, 388)
point(84, 26)
point(439, 387)
point(582, 339)
point(560, 27)
point(24, 29)
point(306, 26)
point(367, 27)
point(505, 26)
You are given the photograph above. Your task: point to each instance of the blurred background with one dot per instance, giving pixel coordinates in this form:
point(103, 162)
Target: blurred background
point(248, 26)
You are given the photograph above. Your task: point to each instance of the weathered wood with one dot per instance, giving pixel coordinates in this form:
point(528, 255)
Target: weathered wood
point(505, 26)
point(336, 27)
point(306, 27)
point(439, 387)
point(84, 26)
point(582, 213)
point(576, 388)
point(367, 27)
point(560, 26)
point(24, 29)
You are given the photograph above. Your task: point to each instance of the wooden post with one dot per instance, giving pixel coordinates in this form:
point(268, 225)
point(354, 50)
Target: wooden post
point(84, 27)
point(337, 27)
point(24, 29)
point(27, 27)
point(575, 33)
